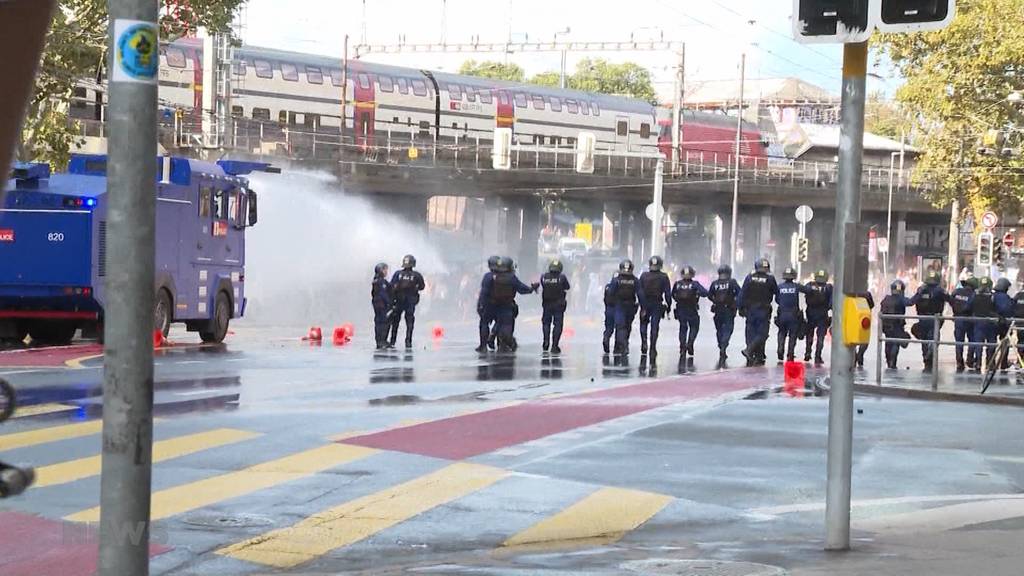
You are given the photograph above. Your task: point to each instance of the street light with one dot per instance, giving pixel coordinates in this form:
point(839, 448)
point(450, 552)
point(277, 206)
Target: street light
point(561, 77)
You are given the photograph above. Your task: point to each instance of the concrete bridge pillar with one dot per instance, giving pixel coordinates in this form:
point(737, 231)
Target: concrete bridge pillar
point(630, 229)
point(525, 234)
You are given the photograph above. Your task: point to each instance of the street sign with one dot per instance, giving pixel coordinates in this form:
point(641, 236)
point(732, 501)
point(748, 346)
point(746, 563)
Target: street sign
point(1009, 240)
point(651, 214)
point(804, 214)
point(769, 244)
point(850, 21)
point(883, 245)
point(989, 220)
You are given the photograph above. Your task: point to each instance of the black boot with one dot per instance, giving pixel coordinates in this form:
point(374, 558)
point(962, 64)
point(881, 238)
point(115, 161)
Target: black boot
point(408, 335)
point(546, 345)
point(607, 345)
point(643, 343)
point(555, 349)
point(722, 357)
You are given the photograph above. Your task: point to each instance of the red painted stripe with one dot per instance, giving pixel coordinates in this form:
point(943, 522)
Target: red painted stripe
point(474, 434)
point(43, 357)
point(50, 314)
point(34, 546)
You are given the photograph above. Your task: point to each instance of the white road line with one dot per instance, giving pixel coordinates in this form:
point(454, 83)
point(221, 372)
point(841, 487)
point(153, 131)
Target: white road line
point(816, 506)
point(189, 362)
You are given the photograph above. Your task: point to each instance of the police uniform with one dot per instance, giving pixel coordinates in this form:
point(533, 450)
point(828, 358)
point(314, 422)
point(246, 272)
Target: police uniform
point(1004, 308)
point(500, 291)
point(723, 295)
point(962, 301)
point(818, 298)
point(609, 316)
point(406, 285)
point(380, 297)
point(929, 300)
point(624, 290)
point(984, 332)
point(789, 318)
point(756, 295)
point(553, 285)
point(655, 295)
point(894, 328)
point(1018, 312)
point(687, 295)
point(485, 309)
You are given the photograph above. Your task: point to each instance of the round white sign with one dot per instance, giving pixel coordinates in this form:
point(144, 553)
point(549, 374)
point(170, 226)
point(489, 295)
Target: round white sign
point(804, 214)
point(989, 220)
point(650, 211)
point(883, 245)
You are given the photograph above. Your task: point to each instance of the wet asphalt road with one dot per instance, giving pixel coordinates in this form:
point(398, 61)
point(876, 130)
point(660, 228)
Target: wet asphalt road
point(277, 456)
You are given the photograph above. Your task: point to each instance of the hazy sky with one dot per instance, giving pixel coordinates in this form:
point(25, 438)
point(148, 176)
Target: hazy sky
point(715, 32)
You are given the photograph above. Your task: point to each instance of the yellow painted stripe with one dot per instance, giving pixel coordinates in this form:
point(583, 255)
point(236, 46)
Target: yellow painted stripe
point(77, 362)
point(39, 409)
point(361, 518)
point(601, 518)
point(51, 434)
point(188, 497)
point(163, 450)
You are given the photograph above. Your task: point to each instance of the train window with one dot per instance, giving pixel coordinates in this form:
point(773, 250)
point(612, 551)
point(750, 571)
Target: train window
point(520, 99)
point(408, 121)
point(424, 125)
point(503, 98)
point(394, 119)
point(570, 142)
point(455, 125)
point(556, 140)
point(622, 128)
point(238, 68)
point(403, 85)
point(597, 109)
point(260, 114)
point(485, 95)
point(336, 77)
point(314, 75)
point(289, 72)
point(556, 104)
point(386, 83)
point(175, 58)
point(419, 87)
point(237, 112)
point(282, 117)
point(538, 139)
point(585, 107)
point(470, 94)
point(263, 69)
point(205, 201)
point(645, 130)
point(572, 106)
point(455, 91)
point(538, 102)
point(364, 81)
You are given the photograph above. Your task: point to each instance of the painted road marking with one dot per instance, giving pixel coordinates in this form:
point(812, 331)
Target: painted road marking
point(601, 518)
point(363, 517)
point(900, 500)
point(944, 518)
point(40, 409)
point(70, 471)
point(51, 434)
point(188, 497)
point(77, 362)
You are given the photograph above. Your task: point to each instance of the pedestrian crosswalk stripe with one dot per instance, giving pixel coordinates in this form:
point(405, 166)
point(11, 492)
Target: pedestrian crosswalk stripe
point(40, 409)
point(363, 517)
point(162, 450)
point(599, 519)
point(50, 434)
point(191, 496)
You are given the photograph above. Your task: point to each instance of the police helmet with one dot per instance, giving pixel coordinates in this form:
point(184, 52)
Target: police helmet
point(897, 287)
point(381, 269)
point(789, 273)
point(656, 263)
point(492, 263)
point(985, 284)
point(932, 279)
point(1003, 285)
point(409, 262)
point(821, 276)
point(972, 283)
point(688, 272)
point(555, 266)
point(724, 272)
point(626, 266)
point(762, 265)
point(504, 264)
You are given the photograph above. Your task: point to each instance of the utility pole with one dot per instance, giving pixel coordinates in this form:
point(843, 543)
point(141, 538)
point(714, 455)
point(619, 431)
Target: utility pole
point(344, 98)
point(128, 328)
point(658, 218)
point(954, 244)
point(677, 111)
point(840, 401)
point(736, 183)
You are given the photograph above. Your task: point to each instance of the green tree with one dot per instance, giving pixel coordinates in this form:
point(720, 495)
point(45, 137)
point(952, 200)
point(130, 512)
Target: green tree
point(958, 86)
point(549, 79)
point(494, 70)
point(886, 118)
point(76, 48)
point(626, 79)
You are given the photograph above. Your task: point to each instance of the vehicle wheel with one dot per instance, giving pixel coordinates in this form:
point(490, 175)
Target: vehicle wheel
point(218, 327)
point(53, 333)
point(162, 313)
point(7, 400)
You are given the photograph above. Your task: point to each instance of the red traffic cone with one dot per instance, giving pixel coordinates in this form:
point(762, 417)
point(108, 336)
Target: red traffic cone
point(438, 332)
point(342, 335)
point(314, 335)
point(795, 374)
point(158, 339)
point(568, 332)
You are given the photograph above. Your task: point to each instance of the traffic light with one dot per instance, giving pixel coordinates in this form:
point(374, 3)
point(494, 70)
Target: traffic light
point(999, 256)
point(802, 248)
point(914, 15)
point(832, 20)
point(985, 249)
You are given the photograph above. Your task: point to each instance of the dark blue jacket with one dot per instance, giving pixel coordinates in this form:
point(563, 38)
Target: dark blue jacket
point(961, 301)
point(752, 295)
point(929, 300)
point(487, 288)
point(687, 294)
point(724, 295)
point(1004, 304)
point(814, 293)
point(655, 290)
point(788, 297)
point(406, 286)
point(380, 293)
point(624, 293)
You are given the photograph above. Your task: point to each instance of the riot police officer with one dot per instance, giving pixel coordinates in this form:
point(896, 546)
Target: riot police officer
point(1018, 313)
point(380, 298)
point(962, 302)
point(485, 310)
point(406, 286)
point(554, 285)
point(818, 298)
point(755, 304)
point(1004, 307)
point(984, 331)
point(500, 291)
point(687, 293)
point(655, 295)
point(789, 318)
point(624, 288)
point(895, 303)
point(929, 300)
point(609, 314)
point(723, 294)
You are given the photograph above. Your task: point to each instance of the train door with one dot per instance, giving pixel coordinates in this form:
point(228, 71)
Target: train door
point(365, 110)
point(622, 133)
point(505, 111)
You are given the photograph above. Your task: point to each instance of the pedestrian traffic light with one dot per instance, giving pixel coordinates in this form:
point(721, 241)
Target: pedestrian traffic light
point(832, 20)
point(915, 15)
point(984, 256)
point(803, 247)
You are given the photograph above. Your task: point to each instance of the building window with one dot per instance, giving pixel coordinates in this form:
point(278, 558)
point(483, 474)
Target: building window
point(403, 85)
point(419, 87)
point(455, 92)
point(538, 102)
point(314, 75)
point(263, 69)
point(556, 104)
point(520, 99)
point(289, 72)
point(364, 81)
point(645, 130)
point(237, 112)
point(175, 58)
point(622, 128)
point(261, 114)
point(386, 83)
point(282, 117)
point(572, 106)
point(336, 77)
